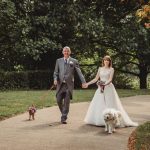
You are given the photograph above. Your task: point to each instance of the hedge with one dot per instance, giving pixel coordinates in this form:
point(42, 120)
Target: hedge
point(26, 80)
point(43, 79)
point(140, 138)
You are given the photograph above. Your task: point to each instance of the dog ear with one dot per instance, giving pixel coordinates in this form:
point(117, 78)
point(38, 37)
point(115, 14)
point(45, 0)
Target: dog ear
point(119, 114)
point(114, 117)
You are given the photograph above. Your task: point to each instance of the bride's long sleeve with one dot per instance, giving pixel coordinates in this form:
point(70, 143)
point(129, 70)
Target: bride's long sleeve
point(110, 78)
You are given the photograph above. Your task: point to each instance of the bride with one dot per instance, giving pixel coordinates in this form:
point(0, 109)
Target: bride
point(105, 97)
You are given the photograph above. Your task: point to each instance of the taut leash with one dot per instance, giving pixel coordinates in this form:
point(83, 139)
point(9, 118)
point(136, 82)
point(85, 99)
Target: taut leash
point(47, 92)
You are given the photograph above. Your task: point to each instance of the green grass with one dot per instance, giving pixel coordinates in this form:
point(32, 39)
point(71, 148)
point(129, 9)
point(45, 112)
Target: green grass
point(16, 102)
point(143, 136)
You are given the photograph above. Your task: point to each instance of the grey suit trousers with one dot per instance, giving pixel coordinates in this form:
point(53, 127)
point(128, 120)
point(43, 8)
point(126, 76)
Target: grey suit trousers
point(63, 101)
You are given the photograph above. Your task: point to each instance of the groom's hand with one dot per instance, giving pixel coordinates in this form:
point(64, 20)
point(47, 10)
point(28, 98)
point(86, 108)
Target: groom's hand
point(55, 82)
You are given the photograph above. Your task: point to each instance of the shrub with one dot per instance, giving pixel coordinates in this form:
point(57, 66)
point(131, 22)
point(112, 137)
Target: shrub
point(25, 80)
point(15, 80)
point(140, 138)
point(40, 79)
point(43, 79)
point(123, 81)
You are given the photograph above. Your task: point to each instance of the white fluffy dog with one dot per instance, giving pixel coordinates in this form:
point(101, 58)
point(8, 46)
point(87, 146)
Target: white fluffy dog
point(112, 119)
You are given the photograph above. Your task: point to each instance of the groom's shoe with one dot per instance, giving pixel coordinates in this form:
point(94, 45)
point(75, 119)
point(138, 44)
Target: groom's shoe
point(63, 122)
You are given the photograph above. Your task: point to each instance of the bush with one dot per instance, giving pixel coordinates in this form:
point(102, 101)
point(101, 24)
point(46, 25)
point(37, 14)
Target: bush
point(43, 79)
point(15, 80)
point(26, 80)
point(123, 81)
point(2, 76)
point(140, 138)
point(40, 79)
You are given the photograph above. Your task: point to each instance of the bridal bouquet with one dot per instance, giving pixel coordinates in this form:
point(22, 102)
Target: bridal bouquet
point(101, 85)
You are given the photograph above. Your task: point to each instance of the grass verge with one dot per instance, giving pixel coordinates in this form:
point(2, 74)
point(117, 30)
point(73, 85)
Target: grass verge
point(16, 102)
point(140, 138)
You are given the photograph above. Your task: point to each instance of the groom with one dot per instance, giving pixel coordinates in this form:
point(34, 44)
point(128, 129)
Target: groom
point(64, 80)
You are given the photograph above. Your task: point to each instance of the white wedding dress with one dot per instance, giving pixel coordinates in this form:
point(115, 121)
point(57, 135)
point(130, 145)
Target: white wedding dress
point(108, 99)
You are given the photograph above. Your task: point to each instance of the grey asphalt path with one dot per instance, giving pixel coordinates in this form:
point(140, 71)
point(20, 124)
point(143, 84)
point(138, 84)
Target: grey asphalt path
point(46, 132)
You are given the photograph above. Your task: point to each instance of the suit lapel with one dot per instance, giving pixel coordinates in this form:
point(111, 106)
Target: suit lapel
point(68, 64)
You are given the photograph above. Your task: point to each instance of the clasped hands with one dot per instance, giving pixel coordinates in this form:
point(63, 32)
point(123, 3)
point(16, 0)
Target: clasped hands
point(84, 85)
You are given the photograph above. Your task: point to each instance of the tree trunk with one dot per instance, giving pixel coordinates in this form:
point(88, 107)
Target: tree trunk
point(143, 77)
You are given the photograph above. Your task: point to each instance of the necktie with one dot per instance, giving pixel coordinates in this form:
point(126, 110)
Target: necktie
point(65, 61)
point(65, 66)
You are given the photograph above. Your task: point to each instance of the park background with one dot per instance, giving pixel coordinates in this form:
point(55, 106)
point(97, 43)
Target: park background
point(33, 33)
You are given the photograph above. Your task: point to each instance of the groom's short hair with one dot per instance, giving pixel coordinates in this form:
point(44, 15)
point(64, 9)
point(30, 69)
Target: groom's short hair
point(68, 48)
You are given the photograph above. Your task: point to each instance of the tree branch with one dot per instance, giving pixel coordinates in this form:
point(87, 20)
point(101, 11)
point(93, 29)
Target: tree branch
point(129, 72)
point(84, 65)
point(130, 11)
point(125, 53)
point(129, 62)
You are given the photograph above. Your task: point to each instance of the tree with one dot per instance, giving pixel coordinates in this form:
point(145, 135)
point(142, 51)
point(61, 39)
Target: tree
point(41, 28)
point(118, 34)
point(7, 34)
point(52, 27)
point(130, 47)
point(143, 15)
point(35, 31)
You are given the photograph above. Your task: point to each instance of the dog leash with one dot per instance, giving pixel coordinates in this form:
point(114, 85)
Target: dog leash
point(52, 87)
point(47, 92)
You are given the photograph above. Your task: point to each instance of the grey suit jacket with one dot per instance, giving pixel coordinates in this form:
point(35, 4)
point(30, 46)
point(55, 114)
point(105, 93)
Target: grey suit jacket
point(59, 72)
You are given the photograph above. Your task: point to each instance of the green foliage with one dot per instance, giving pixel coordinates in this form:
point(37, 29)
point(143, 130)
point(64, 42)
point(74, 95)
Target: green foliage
point(123, 81)
point(18, 68)
point(143, 136)
point(7, 32)
point(26, 80)
point(131, 48)
point(13, 80)
point(111, 28)
point(44, 79)
point(32, 33)
point(40, 79)
point(16, 102)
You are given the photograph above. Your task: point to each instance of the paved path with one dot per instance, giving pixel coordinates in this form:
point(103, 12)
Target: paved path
point(46, 133)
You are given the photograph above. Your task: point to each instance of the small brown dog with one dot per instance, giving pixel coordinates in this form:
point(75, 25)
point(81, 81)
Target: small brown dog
point(32, 111)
